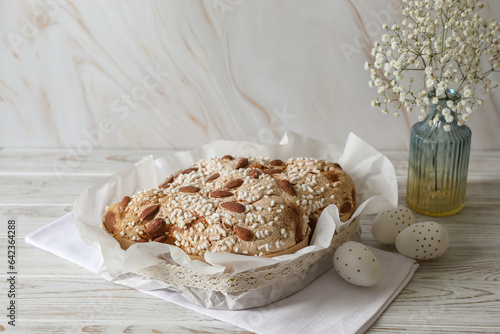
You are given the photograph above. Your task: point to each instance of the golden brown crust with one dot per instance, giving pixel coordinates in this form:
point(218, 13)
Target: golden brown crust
point(253, 206)
point(126, 243)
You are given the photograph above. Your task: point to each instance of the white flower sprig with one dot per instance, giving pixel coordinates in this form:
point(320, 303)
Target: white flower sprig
point(443, 40)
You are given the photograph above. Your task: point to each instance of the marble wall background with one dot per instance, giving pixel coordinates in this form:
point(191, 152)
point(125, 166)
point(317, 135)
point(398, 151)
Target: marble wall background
point(177, 74)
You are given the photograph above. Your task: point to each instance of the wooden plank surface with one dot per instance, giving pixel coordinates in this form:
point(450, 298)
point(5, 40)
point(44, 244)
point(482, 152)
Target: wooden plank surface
point(457, 293)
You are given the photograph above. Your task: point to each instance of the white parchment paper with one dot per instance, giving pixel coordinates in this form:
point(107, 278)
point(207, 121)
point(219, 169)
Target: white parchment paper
point(372, 173)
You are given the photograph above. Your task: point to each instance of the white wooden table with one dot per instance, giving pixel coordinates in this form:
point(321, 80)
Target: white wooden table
point(457, 293)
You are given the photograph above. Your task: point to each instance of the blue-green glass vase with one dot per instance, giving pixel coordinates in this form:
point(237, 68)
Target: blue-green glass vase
point(438, 162)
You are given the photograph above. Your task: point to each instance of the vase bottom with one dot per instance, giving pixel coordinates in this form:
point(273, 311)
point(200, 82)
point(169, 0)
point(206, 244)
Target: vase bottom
point(435, 214)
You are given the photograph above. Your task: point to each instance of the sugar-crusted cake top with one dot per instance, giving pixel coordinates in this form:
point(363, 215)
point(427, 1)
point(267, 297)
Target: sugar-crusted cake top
point(254, 206)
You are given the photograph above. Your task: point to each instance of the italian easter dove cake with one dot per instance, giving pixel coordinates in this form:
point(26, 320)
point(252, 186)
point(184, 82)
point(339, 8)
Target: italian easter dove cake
point(242, 205)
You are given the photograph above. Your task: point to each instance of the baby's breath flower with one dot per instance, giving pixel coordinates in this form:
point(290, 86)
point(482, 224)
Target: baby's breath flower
point(449, 118)
point(402, 97)
point(447, 41)
point(467, 92)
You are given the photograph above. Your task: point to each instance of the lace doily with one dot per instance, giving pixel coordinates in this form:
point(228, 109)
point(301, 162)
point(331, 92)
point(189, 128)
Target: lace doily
point(248, 280)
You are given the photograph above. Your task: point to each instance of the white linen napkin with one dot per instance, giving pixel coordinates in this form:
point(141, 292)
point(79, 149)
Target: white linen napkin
point(327, 305)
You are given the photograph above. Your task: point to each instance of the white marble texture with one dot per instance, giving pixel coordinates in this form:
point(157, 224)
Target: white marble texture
point(81, 73)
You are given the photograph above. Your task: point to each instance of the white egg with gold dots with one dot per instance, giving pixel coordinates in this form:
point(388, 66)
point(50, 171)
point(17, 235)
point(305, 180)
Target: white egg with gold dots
point(423, 241)
point(388, 224)
point(356, 264)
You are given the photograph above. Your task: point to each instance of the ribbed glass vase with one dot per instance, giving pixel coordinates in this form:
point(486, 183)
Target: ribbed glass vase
point(438, 162)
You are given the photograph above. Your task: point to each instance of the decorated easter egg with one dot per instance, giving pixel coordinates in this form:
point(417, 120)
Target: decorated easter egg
point(357, 264)
point(423, 241)
point(388, 224)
